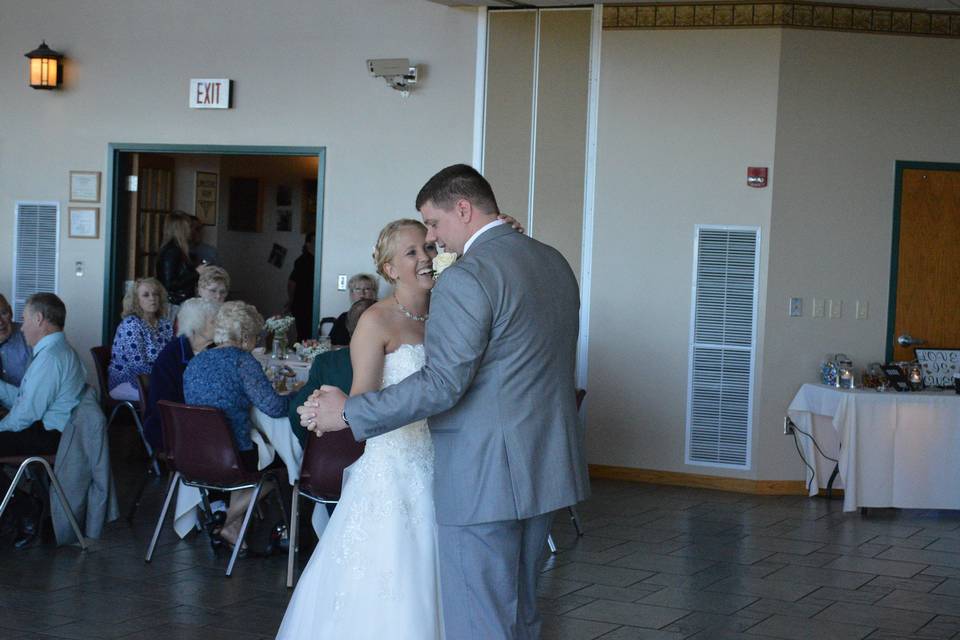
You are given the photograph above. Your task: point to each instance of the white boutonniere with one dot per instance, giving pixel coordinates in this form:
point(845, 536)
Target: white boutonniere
point(443, 260)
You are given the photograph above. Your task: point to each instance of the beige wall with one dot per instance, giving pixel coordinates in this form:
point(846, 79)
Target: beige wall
point(681, 116)
point(851, 105)
point(299, 79)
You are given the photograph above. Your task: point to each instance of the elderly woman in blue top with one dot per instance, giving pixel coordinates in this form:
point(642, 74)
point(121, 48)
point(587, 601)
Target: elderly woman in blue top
point(142, 334)
point(14, 352)
point(229, 378)
point(195, 322)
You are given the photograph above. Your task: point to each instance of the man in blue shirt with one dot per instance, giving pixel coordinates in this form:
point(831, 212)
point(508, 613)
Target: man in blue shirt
point(14, 352)
point(40, 408)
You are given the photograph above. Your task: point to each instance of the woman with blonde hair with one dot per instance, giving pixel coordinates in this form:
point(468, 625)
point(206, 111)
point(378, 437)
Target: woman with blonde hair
point(229, 378)
point(174, 267)
point(141, 335)
point(382, 537)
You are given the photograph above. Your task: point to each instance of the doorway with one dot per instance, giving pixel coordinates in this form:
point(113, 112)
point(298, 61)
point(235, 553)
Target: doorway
point(247, 200)
point(925, 260)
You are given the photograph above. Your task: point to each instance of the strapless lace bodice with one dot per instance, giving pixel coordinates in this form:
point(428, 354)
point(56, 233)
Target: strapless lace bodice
point(412, 441)
point(407, 359)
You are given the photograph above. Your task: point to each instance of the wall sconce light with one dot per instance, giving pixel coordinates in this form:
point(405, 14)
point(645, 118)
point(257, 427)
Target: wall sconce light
point(46, 67)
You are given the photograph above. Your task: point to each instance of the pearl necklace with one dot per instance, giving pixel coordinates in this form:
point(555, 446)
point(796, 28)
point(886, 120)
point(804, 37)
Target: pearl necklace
point(407, 313)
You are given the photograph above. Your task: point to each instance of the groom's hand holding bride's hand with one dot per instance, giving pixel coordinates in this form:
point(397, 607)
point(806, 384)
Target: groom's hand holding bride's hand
point(323, 410)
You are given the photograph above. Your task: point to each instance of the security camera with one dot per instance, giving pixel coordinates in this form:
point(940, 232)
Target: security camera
point(396, 71)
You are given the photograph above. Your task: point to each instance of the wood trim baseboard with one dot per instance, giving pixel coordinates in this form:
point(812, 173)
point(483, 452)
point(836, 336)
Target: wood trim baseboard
point(719, 483)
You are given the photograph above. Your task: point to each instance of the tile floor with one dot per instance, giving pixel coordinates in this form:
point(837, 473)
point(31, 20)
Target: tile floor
point(656, 563)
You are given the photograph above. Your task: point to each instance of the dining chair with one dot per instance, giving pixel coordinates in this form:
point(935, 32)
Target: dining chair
point(47, 462)
point(201, 453)
point(143, 388)
point(572, 510)
point(111, 406)
point(321, 477)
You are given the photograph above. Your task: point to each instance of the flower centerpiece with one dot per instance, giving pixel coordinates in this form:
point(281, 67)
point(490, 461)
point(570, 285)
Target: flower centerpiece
point(278, 326)
point(310, 349)
point(443, 260)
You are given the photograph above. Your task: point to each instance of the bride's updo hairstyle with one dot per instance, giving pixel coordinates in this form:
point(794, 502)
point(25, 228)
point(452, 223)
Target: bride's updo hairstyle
point(385, 249)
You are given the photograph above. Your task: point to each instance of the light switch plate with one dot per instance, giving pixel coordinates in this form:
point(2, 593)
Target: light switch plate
point(818, 307)
point(341, 282)
point(796, 307)
point(863, 309)
point(836, 309)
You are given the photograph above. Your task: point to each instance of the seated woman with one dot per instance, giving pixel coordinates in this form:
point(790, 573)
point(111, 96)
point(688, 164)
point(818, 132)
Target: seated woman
point(214, 283)
point(141, 336)
point(229, 378)
point(362, 286)
point(333, 368)
point(195, 322)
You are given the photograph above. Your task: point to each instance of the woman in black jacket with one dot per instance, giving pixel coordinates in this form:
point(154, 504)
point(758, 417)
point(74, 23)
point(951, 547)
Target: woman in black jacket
point(174, 267)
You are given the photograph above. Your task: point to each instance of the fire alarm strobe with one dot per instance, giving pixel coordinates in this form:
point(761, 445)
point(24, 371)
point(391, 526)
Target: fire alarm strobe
point(757, 177)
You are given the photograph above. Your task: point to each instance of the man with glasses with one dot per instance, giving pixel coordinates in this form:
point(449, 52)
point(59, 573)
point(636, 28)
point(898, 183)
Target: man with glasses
point(362, 286)
point(15, 355)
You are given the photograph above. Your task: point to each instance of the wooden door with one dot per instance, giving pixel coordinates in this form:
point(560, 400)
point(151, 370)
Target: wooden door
point(927, 261)
point(155, 176)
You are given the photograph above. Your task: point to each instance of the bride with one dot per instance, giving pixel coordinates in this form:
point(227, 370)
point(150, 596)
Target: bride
point(374, 572)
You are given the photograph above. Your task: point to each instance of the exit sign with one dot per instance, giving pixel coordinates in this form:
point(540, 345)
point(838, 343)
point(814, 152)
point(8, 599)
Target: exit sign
point(209, 93)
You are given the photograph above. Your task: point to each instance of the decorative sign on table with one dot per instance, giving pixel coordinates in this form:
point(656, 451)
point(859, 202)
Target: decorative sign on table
point(209, 93)
point(938, 365)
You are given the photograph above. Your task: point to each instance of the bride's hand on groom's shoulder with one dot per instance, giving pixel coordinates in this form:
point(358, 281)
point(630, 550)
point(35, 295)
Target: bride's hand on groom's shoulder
point(513, 222)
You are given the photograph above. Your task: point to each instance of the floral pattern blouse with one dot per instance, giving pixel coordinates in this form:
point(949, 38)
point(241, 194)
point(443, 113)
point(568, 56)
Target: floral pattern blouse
point(232, 380)
point(135, 346)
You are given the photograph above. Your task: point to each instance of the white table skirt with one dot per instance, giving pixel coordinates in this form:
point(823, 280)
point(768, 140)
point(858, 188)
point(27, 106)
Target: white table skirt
point(271, 436)
point(898, 449)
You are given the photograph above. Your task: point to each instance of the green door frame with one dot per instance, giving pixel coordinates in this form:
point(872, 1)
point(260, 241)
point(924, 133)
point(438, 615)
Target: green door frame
point(114, 149)
point(900, 167)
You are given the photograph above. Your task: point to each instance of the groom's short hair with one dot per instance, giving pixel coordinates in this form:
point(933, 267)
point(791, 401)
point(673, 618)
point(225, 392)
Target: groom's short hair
point(456, 182)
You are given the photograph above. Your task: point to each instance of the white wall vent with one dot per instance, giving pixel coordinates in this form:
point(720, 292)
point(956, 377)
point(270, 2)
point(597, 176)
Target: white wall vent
point(722, 344)
point(36, 252)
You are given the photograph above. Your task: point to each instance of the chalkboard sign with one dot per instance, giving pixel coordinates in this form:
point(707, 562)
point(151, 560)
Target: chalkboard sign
point(938, 366)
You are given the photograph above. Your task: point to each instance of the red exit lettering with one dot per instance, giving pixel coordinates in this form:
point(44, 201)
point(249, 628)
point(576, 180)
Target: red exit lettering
point(208, 93)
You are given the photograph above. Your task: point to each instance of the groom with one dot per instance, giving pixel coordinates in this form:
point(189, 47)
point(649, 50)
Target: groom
point(498, 387)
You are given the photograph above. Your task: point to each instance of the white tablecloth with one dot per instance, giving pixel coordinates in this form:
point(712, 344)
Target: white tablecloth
point(898, 449)
point(300, 367)
point(271, 435)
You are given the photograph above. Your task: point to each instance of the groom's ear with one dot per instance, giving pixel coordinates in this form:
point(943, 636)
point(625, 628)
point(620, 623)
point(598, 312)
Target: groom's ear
point(464, 210)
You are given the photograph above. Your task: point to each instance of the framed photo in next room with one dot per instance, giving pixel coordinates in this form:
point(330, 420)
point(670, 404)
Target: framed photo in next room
point(84, 222)
point(206, 197)
point(245, 205)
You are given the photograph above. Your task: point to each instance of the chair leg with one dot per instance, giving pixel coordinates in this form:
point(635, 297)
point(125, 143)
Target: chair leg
point(575, 519)
point(243, 527)
point(551, 544)
point(138, 497)
point(143, 437)
point(292, 548)
point(174, 480)
point(63, 501)
point(13, 484)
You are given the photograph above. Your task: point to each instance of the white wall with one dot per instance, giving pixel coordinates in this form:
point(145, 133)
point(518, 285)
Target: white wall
point(299, 79)
point(682, 115)
point(851, 105)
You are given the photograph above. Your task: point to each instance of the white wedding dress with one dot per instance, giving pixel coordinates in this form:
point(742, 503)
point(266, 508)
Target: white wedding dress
point(374, 573)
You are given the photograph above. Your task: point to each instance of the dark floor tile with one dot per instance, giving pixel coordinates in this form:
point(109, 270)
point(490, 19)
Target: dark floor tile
point(562, 604)
point(29, 620)
point(664, 564)
point(871, 616)
point(920, 583)
point(552, 586)
point(864, 595)
point(637, 633)
point(805, 608)
point(632, 614)
point(734, 553)
point(922, 556)
point(874, 565)
point(949, 587)
point(823, 577)
point(600, 574)
point(780, 545)
point(699, 621)
point(815, 559)
point(791, 628)
point(707, 601)
point(927, 602)
point(764, 588)
point(556, 628)
point(622, 594)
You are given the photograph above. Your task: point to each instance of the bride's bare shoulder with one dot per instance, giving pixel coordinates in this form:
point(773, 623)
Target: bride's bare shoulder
point(374, 324)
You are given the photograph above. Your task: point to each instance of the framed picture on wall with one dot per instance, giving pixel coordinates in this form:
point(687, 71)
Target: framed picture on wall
point(85, 186)
point(245, 211)
point(84, 222)
point(206, 197)
point(308, 213)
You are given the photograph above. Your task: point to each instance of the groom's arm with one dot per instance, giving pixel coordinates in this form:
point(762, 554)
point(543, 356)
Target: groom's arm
point(458, 332)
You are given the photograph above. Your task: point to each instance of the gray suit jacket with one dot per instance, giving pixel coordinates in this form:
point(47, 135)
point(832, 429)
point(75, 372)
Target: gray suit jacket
point(497, 386)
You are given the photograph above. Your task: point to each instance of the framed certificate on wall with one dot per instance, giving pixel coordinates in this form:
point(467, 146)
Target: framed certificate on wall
point(84, 222)
point(84, 186)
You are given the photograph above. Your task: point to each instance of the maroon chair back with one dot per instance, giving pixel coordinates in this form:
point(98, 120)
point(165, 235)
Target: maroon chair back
point(101, 361)
point(581, 394)
point(200, 445)
point(324, 459)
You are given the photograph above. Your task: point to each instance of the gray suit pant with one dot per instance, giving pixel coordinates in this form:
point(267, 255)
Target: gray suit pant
point(488, 578)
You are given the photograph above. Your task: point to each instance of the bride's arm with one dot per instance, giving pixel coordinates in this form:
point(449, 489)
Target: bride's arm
point(367, 354)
